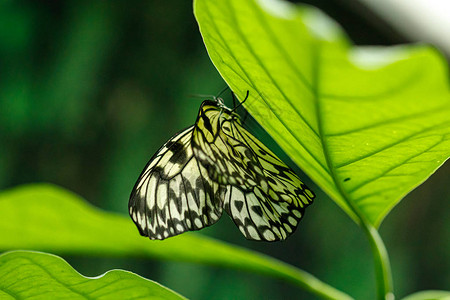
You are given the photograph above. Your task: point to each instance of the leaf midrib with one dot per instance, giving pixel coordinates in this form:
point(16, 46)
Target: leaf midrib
point(262, 97)
point(326, 151)
point(260, 62)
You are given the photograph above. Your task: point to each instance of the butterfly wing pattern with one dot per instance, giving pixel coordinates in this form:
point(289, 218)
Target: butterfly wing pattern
point(212, 166)
point(173, 194)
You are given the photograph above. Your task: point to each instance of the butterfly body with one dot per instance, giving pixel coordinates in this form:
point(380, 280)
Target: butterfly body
point(212, 166)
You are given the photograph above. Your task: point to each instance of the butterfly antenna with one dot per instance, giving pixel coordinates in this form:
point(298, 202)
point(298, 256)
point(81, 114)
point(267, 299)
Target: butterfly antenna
point(208, 96)
point(221, 92)
point(234, 99)
point(201, 96)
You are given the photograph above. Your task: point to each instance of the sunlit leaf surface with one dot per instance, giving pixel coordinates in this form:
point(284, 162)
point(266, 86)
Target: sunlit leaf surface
point(36, 275)
point(48, 218)
point(429, 295)
point(367, 124)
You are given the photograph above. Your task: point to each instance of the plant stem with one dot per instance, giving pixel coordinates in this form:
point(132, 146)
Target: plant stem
point(383, 272)
point(381, 259)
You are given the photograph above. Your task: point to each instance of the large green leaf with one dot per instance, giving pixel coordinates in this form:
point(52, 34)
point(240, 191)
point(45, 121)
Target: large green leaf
point(367, 124)
point(47, 218)
point(35, 275)
point(429, 295)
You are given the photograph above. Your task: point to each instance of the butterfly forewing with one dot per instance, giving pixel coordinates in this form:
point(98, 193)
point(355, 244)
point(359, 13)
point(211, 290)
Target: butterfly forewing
point(215, 151)
point(173, 193)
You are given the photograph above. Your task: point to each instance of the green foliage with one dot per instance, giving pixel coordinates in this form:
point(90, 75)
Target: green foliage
point(66, 224)
point(429, 295)
point(35, 275)
point(367, 124)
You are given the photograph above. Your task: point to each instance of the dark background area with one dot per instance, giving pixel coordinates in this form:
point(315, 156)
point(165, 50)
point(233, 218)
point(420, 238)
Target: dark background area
point(90, 90)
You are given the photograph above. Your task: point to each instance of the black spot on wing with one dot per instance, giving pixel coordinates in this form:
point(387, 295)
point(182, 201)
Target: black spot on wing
point(158, 169)
point(179, 155)
point(239, 204)
point(257, 209)
point(248, 153)
point(207, 123)
point(175, 147)
point(169, 144)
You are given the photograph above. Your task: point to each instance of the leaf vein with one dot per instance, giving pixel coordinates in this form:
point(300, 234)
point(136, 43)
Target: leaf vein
point(393, 120)
point(390, 145)
point(362, 184)
point(260, 62)
point(56, 279)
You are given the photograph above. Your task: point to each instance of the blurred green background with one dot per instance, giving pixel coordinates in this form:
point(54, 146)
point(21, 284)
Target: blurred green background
point(90, 90)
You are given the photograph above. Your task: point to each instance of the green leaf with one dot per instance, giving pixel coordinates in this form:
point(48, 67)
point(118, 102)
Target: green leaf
point(47, 218)
point(429, 295)
point(367, 124)
point(27, 274)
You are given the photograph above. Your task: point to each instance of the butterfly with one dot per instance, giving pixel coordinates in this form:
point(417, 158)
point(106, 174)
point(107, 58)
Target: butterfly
point(212, 166)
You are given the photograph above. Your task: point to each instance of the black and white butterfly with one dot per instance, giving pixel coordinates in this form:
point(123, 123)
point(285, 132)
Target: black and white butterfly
point(212, 166)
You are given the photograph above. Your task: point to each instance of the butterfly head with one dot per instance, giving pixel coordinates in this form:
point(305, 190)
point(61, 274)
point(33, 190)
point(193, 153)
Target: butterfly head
point(217, 105)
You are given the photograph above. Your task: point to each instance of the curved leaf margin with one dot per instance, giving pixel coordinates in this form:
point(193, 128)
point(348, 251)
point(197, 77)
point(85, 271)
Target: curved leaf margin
point(30, 274)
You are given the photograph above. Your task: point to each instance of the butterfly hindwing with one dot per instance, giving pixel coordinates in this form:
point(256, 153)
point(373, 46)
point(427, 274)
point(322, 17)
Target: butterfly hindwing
point(174, 194)
point(274, 205)
point(281, 178)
